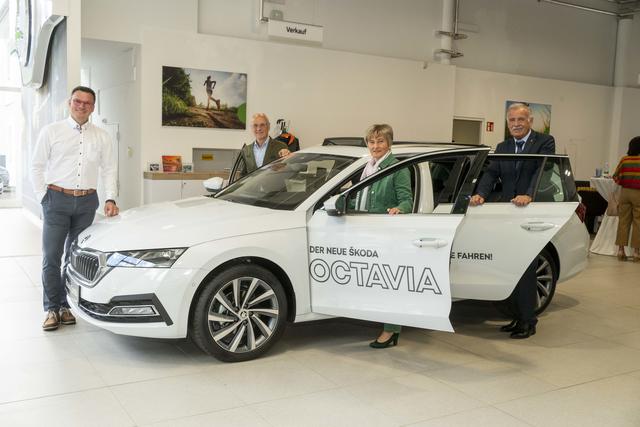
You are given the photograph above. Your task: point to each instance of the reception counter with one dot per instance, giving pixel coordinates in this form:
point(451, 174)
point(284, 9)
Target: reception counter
point(167, 186)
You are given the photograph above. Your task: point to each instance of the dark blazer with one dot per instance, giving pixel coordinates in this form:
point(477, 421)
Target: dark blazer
point(249, 164)
point(517, 177)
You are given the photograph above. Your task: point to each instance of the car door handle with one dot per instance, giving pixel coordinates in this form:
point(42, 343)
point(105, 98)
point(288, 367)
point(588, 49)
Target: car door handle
point(427, 242)
point(537, 226)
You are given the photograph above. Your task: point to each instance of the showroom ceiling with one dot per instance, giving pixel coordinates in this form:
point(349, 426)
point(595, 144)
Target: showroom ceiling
point(619, 8)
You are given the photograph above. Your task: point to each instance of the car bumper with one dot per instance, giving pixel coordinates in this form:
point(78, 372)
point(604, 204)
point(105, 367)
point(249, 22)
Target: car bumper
point(144, 302)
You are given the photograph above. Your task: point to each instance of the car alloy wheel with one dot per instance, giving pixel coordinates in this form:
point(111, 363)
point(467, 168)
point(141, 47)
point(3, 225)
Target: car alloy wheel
point(547, 276)
point(546, 279)
point(240, 314)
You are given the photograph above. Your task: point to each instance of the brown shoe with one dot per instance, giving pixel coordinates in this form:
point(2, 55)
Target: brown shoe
point(52, 321)
point(66, 318)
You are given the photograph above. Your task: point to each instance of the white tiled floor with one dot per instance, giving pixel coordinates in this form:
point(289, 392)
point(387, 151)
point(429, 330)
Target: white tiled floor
point(581, 369)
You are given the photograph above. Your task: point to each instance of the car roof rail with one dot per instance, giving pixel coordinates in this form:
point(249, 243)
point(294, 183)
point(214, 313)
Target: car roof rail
point(432, 144)
point(355, 141)
point(358, 141)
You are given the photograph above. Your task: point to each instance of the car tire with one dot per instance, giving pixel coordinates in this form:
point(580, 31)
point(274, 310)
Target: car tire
point(547, 277)
point(240, 314)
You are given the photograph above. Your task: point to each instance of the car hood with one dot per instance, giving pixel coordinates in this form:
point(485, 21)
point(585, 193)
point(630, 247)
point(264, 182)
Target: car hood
point(182, 223)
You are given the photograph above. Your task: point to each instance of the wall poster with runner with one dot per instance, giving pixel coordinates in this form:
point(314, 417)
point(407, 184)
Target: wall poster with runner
point(204, 98)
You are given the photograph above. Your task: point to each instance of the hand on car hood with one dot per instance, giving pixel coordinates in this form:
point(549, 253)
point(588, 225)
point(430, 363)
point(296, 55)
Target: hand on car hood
point(183, 223)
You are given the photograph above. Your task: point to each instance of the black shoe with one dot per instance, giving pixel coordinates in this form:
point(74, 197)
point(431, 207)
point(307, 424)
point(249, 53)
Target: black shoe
point(513, 326)
point(525, 332)
point(391, 341)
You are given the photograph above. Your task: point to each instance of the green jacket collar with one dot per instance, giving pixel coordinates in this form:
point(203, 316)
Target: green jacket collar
point(388, 161)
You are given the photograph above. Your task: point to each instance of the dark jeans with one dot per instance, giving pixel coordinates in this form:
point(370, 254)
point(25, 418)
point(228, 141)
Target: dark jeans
point(527, 294)
point(65, 217)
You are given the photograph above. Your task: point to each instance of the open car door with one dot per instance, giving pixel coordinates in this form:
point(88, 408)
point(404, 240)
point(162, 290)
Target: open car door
point(393, 268)
point(497, 241)
point(238, 165)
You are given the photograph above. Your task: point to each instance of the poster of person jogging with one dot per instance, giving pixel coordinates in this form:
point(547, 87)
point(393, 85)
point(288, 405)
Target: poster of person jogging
point(203, 98)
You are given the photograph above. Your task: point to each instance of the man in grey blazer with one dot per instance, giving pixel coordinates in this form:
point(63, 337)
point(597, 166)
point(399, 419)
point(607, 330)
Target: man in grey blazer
point(263, 150)
point(518, 185)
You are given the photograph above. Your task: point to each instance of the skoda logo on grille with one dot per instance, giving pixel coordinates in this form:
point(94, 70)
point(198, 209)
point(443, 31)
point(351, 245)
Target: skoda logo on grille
point(85, 238)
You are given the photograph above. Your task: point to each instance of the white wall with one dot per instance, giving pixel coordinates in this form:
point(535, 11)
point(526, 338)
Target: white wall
point(630, 126)
point(324, 93)
point(523, 37)
point(111, 70)
point(580, 113)
point(626, 124)
point(398, 29)
point(339, 92)
point(122, 20)
point(538, 39)
point(632, 55)
point(512, 36)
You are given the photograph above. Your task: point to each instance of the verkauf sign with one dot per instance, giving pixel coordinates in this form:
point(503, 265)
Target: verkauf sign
point(296, 31)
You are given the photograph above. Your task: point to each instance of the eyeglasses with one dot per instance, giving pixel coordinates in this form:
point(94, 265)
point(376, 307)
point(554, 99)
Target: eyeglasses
point(259, 125)
point(79, 103)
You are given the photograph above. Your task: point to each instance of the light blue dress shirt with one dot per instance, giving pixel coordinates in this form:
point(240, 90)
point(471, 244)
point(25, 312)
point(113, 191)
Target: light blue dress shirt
point(259, 152)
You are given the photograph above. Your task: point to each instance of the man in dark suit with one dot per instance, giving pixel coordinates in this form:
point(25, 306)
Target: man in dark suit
point(518, 185)
point(263, 150)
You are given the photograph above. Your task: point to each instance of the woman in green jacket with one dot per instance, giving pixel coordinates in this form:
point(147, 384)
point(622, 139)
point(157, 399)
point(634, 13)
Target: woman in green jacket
point(391, 194)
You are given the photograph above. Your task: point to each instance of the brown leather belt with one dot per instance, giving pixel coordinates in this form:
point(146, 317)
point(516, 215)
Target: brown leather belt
point(75, 193)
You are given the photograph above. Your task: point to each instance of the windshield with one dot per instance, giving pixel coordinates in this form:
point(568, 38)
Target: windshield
point(286, 183)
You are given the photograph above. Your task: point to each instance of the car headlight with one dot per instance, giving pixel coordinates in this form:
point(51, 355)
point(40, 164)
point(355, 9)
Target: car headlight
point(159, 258)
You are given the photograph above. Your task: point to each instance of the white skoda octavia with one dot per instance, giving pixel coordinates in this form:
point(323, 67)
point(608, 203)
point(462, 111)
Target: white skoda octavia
point(288, 243)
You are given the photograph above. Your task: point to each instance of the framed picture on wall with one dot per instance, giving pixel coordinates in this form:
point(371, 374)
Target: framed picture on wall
point(171, 163)
point(203, 98)
point(541, 117)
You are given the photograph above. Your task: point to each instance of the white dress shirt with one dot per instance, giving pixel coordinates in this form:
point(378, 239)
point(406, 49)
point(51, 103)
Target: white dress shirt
point(70, 156)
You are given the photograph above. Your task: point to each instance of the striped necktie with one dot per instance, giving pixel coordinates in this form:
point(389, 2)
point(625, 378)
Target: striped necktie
point(519, 146)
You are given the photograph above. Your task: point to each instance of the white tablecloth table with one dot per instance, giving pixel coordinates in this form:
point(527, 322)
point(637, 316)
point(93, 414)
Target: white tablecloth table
point(605, 240)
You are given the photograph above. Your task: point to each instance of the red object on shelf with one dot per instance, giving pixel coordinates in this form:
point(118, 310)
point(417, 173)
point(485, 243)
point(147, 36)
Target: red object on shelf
point(172, 163)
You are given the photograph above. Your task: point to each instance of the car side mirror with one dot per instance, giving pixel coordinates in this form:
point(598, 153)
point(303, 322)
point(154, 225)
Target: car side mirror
point(213, 185)
point(336, 205)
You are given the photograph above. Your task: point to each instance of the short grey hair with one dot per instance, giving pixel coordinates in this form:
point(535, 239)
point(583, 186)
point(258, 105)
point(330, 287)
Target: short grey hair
point(383, 130)
point(519, 106)
point(257, 116)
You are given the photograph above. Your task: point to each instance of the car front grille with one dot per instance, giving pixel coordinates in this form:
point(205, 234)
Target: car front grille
point(85, 264)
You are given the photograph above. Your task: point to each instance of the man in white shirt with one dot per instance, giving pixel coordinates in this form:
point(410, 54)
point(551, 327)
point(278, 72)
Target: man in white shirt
point(68, 157)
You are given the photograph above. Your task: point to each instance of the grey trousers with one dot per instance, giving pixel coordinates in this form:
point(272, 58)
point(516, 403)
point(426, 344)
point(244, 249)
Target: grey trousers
point(65, 216)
